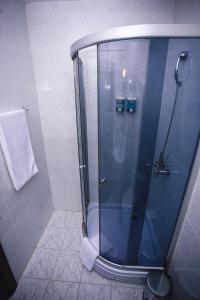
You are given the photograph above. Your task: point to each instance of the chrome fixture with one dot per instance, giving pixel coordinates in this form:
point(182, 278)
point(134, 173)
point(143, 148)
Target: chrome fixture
point(136, 31)
point(158, 285)
point(183, 55)
point(160, 165)
point(102, 180)
point(82, 166)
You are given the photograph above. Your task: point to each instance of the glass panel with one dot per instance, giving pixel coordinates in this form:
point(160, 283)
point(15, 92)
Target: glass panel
point(122, 83)
point(140, 199)
point(167, 191)
point(82, 135)
point(139, 206)
point(148, 133)
point(89, 60)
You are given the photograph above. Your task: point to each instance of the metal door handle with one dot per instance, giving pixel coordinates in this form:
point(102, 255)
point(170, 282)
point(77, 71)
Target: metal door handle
point(102, 180)
point(147, 165)
point(82, 166)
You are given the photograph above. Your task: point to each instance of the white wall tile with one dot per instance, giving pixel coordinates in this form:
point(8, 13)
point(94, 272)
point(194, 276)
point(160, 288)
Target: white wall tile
point(126, 293)
point(68, 267)
point(23, 214)
point(94, 292)
point(41, 264)
point(185, 264)
point(62, 161)
point(30, 288)
point(53, 27)
point(61, 290)
point(187, 12)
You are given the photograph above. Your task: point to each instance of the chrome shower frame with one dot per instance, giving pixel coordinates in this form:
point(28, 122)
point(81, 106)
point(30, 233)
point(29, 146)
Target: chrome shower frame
point(136, 32)
point(137, 274)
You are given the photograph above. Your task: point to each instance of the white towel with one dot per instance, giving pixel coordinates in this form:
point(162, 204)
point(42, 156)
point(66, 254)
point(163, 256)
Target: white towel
point(88, 254)
point(16, 145)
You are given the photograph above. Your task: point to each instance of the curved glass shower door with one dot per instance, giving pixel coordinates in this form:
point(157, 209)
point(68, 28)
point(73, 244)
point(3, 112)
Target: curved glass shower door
point(129, 107)
point(138, 208)
point(126, 93)
point(118, 141)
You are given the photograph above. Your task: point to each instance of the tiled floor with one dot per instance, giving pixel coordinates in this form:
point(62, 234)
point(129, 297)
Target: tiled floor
point(55, 272)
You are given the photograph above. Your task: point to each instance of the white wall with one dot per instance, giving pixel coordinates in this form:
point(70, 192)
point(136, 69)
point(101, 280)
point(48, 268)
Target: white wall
point(187, 11)
point(53, 27)
point(23, 214)
point(185, 265)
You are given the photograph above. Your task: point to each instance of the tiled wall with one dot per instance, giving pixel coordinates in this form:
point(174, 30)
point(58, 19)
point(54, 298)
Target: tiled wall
point(23, 214)
point(53, 27)
point(185, 265)
point(187, 12)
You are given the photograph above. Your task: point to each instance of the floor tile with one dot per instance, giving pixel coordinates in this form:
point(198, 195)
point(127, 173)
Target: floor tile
point(52, 238)
point(41, 264)
point(126, 293)
point(58, 219)
point(74, 220)
point(94, 292)
point(68, 267)
point(72, 240)
point(94, 278)
point(66, 219)
point(30, 289)
point(59, 290)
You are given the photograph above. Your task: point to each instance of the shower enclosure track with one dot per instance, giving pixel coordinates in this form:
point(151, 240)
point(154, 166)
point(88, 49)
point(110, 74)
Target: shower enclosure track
point(137, 31)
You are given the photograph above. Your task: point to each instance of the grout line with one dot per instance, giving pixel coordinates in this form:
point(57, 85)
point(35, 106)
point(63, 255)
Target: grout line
point(84, 283)
point(89, 283)
point(67, 250)
point(51, 279)
point(46, 289)
point(59, 252)
point(78, 291)
point(194, 229)
point(81, 273)
point(111, 292)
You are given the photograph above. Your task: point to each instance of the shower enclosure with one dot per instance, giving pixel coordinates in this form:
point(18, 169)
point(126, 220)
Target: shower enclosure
point(137, 93)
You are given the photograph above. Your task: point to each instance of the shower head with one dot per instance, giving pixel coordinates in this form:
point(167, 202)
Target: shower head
point(182, 56)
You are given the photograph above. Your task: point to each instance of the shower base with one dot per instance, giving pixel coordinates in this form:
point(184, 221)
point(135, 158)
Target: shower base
point(111, 246)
